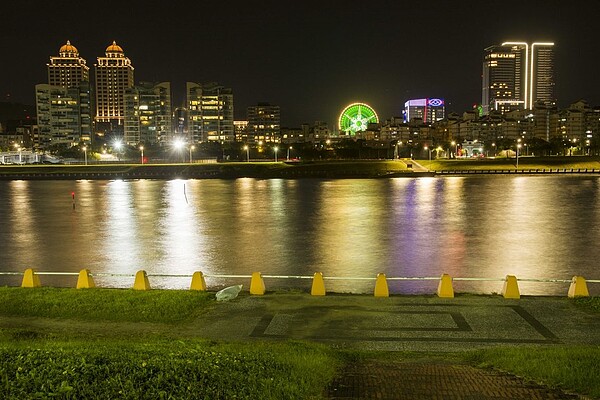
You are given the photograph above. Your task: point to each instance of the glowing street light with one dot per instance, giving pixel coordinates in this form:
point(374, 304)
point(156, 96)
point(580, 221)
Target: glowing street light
point(85, 154)
point(118, 145)
point(288, 153)
point(275, 149)
point(247, 153)
point(518, 147)
point(178, 145)
point(426, 148)
point(192, 148)
point(455, 148)
point(19, 149)
point(142, 151)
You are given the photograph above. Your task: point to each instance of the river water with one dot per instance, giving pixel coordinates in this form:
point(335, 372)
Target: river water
point(544, 227)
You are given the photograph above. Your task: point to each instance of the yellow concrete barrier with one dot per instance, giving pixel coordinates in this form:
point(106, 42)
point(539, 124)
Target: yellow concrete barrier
point(578, 287)
point(381, 286)
point(445, 288)
point(257, 284)
point(141, 281)
point(510, 290)
point(198, 282)
point(318, 285)
point(85, 280)
point(31, 279)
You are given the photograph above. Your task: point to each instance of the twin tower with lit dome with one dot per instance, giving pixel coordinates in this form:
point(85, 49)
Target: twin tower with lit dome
point(71, 111)
point(113, 75)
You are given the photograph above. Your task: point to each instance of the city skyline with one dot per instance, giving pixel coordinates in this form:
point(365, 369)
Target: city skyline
point(305, 58)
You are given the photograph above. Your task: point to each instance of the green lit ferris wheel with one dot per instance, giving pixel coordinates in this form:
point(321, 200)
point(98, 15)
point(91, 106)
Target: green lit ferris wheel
point(357, 117)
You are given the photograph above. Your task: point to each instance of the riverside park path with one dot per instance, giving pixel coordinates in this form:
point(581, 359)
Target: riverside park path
point(420, 324)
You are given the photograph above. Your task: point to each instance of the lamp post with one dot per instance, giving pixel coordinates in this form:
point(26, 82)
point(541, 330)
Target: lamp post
point(247, 152)
point(429, 150)
point(142, 151)
point(18, 148)
point(455, 148)
point(85, 154)
point(192, 148)
point(117, 145)
point(288, 153)
point(275, 149)
point(518, 147)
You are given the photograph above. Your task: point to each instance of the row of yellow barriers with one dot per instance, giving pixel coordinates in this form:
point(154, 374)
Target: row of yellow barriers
point(510, 290)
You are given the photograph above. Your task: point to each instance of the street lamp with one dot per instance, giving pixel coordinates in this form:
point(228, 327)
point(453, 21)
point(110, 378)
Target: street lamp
point(275, 149)
point(455, 148)
point(429, 150)
point(85, 154)
point(192, 148)
point(142, 151)
point(518, 147)
point(117, 145)
point(19, 149)
point(178, 145)
point(288, 153)
point(247, 153)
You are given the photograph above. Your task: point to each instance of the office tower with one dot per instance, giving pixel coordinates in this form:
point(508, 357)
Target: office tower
point(210, 112)
point(542, 74)
point(264, 123)
point(114, 74)
point(517, 75)
point(427, 110)
point(64, 115)
point(68, 69)
point(148, 117)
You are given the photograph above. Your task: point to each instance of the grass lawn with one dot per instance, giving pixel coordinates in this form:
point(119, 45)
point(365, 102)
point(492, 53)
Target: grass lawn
point(127, 305)
point(525, 163)
point(164, 370)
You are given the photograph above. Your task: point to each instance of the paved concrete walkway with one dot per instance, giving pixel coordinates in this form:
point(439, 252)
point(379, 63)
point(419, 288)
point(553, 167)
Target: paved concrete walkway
point(426, 381)
point(411, 323)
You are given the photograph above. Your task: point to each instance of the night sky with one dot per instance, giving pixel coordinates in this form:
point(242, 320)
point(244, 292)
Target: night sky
point(311, 58)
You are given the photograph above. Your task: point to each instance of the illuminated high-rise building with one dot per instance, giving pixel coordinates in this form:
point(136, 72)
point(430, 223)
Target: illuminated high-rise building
point(210, 112)
point(68, 69)
point(63, 114)
point(516, 75)
point(542, 74)
point(64, 104)
point(427, 110)
point(114, 75)
point(148, 117)
point(264, 123)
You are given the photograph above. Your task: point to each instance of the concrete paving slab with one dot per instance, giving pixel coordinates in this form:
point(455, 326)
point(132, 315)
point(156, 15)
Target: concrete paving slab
point(418, 323)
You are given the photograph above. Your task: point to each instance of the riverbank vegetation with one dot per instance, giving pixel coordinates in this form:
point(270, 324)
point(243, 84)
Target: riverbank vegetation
point(525, 163)
point(292, 169)
point(572, 368)
point(226, 170)
point(157, 306)
point(183, 369)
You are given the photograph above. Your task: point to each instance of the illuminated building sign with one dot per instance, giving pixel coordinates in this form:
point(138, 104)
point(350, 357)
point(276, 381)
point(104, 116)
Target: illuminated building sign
point(428, 110)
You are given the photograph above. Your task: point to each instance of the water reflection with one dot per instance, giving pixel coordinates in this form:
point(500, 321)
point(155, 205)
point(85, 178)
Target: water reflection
point(532, 227)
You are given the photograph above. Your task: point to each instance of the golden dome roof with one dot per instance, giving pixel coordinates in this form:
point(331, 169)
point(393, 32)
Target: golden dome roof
point(68, 48)
point(114, 48)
